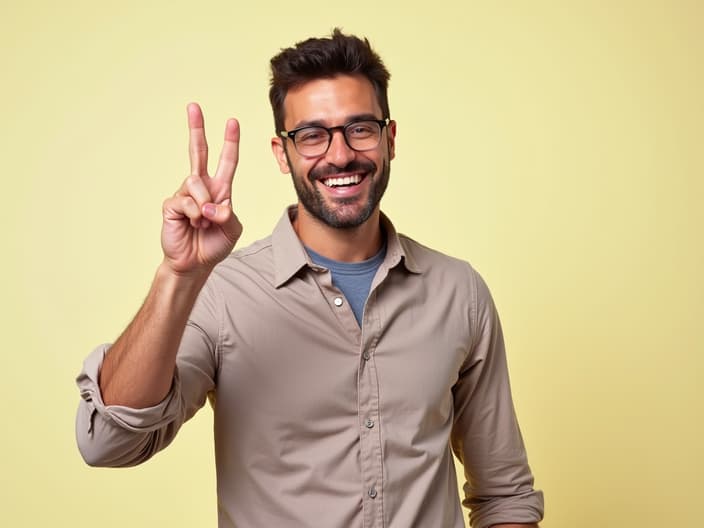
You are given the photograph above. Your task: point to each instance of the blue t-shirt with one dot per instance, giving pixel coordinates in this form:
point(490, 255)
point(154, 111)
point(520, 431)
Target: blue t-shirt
point(353, 279)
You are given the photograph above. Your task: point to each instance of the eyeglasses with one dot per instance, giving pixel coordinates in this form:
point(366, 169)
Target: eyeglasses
point(313, 141)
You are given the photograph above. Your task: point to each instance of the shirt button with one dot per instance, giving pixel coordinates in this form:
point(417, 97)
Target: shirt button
point(369, 423)
point(338, 301)
point(366, 356)
point(372, 492)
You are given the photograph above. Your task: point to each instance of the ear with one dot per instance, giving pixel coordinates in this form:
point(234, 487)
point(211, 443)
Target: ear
point(279, 151)
point(391, 136)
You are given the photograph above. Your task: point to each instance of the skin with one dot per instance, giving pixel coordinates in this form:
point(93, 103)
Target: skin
point(334, 102)
point(200, 229)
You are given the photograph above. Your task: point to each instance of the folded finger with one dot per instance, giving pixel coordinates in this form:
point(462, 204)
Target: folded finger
point(195, 187)
point(180, 207)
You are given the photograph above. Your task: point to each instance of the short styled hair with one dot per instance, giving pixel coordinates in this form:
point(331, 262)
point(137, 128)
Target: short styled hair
point(320, 58)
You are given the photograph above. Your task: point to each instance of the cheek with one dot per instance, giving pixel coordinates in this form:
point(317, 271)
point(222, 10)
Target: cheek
point(295, 165)
point(301, 170)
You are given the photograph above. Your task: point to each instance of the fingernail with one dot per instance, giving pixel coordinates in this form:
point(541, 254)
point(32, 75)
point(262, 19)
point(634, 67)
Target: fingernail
point(209, 210)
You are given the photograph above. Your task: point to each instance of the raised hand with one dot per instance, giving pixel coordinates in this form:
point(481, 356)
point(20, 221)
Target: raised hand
point(200, 228)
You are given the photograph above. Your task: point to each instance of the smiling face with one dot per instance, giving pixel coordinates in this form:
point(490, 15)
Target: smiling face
point(341, 188)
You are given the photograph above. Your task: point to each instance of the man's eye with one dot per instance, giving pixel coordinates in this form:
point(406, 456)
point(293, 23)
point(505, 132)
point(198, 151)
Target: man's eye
point(311, 136)
point(360, 130)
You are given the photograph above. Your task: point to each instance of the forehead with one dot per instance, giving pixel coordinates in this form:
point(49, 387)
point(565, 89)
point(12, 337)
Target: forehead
point(330, 101)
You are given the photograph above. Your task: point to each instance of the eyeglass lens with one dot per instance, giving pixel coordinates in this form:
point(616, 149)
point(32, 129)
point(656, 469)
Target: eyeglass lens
point(359, 135)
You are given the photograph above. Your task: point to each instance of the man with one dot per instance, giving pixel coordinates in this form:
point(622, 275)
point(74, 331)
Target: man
point(345, 362)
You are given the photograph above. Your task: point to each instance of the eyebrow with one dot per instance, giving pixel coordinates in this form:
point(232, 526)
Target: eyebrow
point(350, 119)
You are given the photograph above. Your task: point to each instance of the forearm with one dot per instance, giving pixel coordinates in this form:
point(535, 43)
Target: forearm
point(138, 369)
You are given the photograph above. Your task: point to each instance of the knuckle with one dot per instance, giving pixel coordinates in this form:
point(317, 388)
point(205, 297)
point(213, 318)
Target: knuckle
point(188, 203)
point(192, 181)
point(167, 203)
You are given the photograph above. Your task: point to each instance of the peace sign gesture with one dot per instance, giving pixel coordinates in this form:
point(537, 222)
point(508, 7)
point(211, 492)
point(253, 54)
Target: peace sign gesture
point(199, 228)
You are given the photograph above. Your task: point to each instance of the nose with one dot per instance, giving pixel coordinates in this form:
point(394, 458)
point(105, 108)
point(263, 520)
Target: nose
point(339, 153)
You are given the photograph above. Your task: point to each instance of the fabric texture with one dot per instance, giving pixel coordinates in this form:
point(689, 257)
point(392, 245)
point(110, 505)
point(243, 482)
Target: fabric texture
point(320, 422)
point(353, 279)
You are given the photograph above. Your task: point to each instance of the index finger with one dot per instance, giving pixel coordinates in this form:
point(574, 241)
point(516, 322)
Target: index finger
point(197, 144)
point(230, 154)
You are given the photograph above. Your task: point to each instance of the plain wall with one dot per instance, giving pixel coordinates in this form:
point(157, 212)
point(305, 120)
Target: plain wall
point(555, 145)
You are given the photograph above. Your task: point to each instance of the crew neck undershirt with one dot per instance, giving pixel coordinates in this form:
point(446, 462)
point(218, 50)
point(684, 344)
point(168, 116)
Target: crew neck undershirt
point(353, 279)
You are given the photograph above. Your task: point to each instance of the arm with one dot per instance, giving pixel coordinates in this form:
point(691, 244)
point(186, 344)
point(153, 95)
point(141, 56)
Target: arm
point(138, 369)
point(132, 398)
point(199, 230)
point(485, 436)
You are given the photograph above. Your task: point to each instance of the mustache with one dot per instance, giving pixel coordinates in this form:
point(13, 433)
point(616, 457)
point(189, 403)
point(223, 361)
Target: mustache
point(332, 170)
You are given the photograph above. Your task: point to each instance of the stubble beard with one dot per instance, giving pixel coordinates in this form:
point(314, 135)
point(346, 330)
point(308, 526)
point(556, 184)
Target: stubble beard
point(344, 214)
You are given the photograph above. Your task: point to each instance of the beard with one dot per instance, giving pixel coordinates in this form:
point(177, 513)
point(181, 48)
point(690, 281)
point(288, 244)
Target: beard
point(344, 213)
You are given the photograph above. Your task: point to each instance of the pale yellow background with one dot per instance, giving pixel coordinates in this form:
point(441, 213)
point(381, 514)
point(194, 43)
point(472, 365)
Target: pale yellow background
point(555, 145)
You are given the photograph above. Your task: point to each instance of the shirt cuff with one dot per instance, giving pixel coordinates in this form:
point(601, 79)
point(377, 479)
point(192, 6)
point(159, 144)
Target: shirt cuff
point(526, 508)
point(137, 420)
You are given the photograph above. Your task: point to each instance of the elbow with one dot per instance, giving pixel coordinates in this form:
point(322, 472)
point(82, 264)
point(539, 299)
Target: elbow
point(95, 454)
point(88, 445)
point(105, 452)
point(91, 456)
point(101, 444)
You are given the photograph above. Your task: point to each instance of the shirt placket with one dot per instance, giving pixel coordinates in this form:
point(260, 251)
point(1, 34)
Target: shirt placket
point(369, 420)
point(368, 414)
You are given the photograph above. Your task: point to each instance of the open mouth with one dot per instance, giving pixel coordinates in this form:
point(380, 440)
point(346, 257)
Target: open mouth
point(343, 181)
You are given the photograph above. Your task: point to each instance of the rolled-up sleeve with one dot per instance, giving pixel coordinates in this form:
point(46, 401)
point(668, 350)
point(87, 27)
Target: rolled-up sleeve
point(486, 437)
point(118, 436)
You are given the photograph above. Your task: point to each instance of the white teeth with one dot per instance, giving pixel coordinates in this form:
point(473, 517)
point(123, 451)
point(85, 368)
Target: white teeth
point(346, 180)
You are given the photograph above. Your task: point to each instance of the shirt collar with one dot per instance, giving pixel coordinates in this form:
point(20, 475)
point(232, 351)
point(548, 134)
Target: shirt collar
point(395, 252)
point(290, 256)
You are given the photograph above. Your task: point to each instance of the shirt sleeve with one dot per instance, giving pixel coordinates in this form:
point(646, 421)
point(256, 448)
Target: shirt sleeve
point(486, 437)
point(118, 436)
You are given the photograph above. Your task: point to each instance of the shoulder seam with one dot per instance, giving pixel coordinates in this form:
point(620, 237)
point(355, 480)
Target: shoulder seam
point(251, 250)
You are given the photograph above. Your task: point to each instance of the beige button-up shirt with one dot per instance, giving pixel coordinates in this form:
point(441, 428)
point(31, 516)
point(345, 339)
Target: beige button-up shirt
point(321, 423)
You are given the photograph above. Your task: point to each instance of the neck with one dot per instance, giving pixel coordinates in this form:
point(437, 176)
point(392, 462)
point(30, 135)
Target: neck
point(345, 245)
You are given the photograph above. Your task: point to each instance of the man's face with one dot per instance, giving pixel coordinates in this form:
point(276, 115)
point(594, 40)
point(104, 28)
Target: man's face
point(329, 103)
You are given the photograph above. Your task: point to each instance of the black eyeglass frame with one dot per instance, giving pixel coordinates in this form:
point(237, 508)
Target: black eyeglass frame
point(291, 134)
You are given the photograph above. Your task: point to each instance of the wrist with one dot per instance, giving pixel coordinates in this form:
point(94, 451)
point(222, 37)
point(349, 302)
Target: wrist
point(180, 281)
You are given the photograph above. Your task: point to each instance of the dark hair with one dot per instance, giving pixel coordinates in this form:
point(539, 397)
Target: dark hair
point(318, 58)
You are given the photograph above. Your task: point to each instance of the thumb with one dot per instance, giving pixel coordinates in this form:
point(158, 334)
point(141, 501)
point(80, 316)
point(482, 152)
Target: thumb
point(222, 215)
